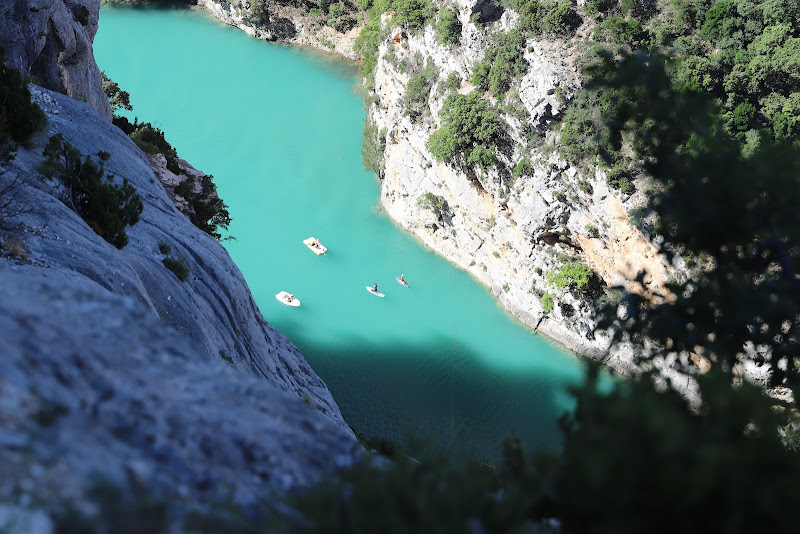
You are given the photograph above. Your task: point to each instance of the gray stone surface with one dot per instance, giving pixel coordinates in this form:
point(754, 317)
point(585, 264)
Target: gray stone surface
point(110, 364)
point(49, 40)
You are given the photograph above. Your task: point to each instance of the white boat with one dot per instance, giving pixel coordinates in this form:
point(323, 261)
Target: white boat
point(288, 299)
point(376, 293)
point(315, 246)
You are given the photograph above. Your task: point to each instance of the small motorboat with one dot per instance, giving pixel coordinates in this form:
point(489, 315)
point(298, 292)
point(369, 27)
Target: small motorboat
point(288, 299)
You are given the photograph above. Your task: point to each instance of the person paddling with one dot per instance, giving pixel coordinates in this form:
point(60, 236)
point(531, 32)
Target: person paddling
point(375, 288)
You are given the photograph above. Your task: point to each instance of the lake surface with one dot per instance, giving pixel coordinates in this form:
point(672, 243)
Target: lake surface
point(280, 130)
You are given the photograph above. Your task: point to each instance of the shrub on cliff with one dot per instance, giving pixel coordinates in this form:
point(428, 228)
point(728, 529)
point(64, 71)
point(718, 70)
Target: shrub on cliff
point(502, 63)
point(412, 14)
point(20, 118)
point(471, 130)
point(448, 27)
point(373, 145)
point(152, 141)
point(419, 89)
point(118, 98)
point(208, 212)
point(537, 17)
point(578, 278)
point(107, 208)
point(177, 266)
point(435, 203)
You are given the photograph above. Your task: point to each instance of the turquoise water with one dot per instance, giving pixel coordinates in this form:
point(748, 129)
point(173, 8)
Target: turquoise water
point(280, 130)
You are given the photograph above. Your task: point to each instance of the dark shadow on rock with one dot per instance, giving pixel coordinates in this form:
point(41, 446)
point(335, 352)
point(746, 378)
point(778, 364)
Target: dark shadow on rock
point(490, 10)
point(283, 28)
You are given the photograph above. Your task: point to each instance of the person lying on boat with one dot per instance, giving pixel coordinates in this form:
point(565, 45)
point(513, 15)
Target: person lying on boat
point(289, 297)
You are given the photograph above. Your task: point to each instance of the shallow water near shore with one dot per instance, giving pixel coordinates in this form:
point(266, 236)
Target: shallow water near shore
point(280, 130)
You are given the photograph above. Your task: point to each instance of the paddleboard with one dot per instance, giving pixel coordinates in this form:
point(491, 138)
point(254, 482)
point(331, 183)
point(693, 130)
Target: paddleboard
point(376, 293)
point(402, 283)
point(315, 246)
point(283, 296)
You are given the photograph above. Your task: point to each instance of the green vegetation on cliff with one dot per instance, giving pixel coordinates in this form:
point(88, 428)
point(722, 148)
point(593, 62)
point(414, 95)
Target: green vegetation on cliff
point(20, 118)
point(742, 53)
point(107, 208)
point(472, 132)
point(206, 210)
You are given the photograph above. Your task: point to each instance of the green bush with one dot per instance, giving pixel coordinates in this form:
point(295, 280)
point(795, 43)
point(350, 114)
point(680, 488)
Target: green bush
point(448, 27)
point(259, 12)
point(367, 42)
point(412, 14)
point(418, 90)
point(523, 168)
point(502, 64)
point(208, 211)
point(118, 98)
point(20, 118)
point(471, 129)
point(373, 145)
point(107, 208)
point(578, 278)
point(621, 31)
point(435, 203)
point(618, 178)
point(152, 141)
point(178, 267)
point(561, 20)
point(547, 302)
point(553, 18)
point(339, 18)
point(453, 81)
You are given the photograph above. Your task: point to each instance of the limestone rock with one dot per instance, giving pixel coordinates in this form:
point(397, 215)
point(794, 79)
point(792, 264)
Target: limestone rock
point(52, 40)
point(286, 24)
point(112, 365)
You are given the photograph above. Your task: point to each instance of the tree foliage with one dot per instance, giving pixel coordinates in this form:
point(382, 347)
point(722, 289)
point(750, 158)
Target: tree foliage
point(107, 208)
point(502, 63)
point(733, 210)
point(419, 88)
point(471, 130)
point(20, 118)
point(578, 278)
point(118, 98)
point(448, 27)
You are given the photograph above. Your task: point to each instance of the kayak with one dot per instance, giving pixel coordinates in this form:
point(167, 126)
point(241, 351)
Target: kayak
point(283, 297)
point(315, 246)
point(401, 282)
point(376, 293)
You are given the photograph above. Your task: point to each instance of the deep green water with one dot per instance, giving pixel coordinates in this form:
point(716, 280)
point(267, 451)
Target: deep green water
point(280, 130)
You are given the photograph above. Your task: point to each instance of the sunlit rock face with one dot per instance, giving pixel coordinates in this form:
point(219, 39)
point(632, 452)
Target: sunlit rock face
point(508, 229)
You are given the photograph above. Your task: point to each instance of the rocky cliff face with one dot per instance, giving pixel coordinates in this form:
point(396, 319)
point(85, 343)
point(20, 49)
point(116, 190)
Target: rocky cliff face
point(508, 231)
point(112, 366)
point(51, 40)
point(284, 23)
